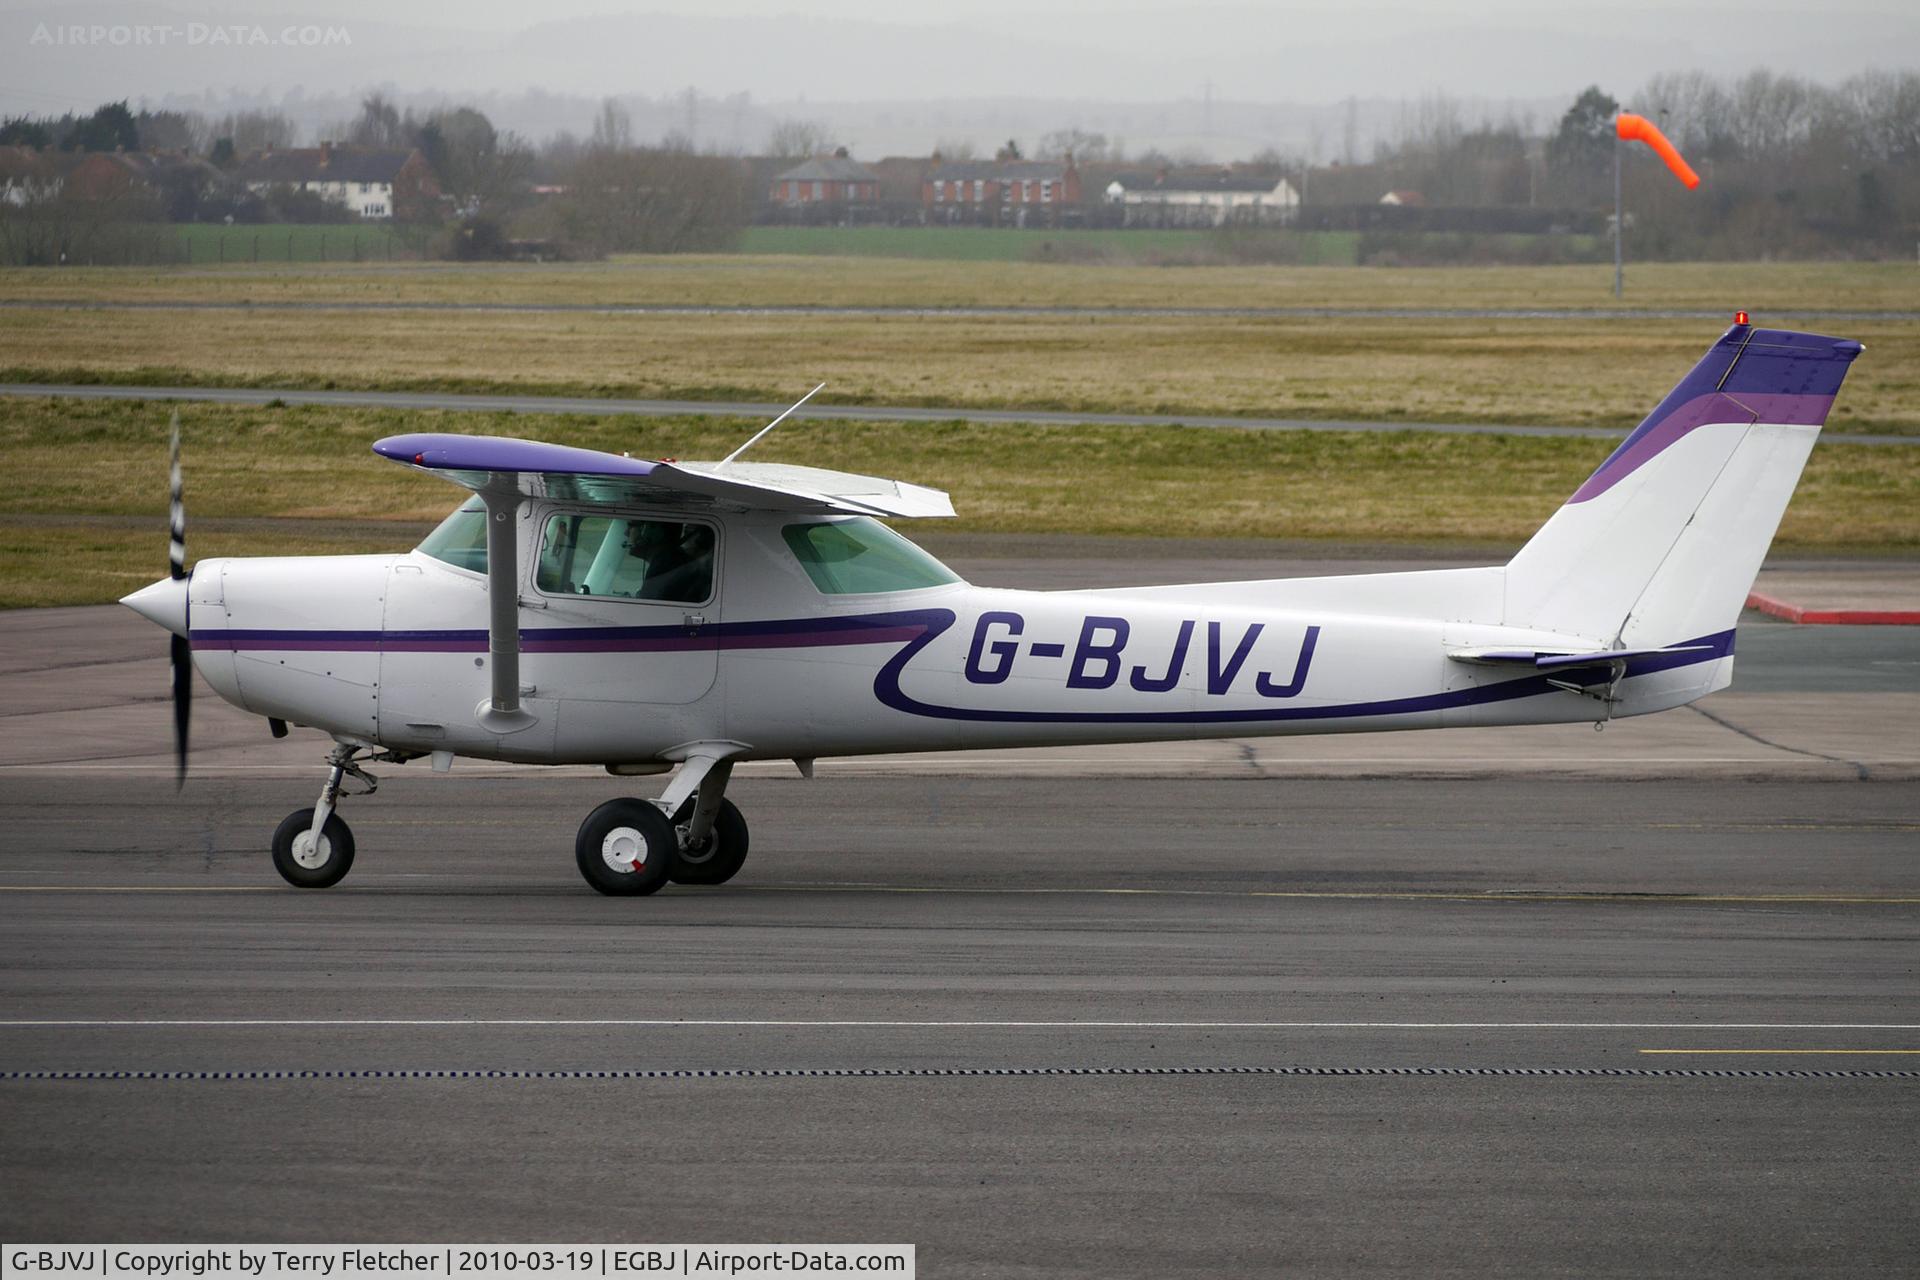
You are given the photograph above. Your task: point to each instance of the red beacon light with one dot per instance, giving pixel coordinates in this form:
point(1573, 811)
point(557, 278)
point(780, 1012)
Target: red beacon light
point(1739, 317)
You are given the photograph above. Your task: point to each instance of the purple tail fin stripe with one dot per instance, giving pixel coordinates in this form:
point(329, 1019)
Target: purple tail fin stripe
point(1749, 375)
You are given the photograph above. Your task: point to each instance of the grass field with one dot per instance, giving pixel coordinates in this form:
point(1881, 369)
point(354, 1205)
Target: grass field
point(1771, 291)
point(85, 517)
point(82, 520)
point(1594, 373)
point(204, 243)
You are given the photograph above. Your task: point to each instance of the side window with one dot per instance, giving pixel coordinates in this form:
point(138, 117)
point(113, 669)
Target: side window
point(862, 556)
point(628, 559)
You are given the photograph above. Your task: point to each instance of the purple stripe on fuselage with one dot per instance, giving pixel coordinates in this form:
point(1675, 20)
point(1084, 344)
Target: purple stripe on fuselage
point(782, 634)
point(886, 687)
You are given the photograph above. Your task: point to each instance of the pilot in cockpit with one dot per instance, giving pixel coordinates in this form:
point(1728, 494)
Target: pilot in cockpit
point(676, 560)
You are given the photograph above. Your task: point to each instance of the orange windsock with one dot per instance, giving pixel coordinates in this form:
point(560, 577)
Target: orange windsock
point(1640, 129)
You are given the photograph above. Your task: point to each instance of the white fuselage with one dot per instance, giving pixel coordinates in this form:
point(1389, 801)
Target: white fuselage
point(392, 651)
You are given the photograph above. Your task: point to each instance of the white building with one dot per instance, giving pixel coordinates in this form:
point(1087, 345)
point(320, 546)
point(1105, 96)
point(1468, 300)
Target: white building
point(369, 182)
point(1204, 198)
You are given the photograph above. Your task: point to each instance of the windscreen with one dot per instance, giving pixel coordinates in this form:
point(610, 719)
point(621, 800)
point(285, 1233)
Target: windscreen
point(461, 539)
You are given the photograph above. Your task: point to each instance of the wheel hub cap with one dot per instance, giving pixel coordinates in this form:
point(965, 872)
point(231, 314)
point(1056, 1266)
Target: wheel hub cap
point(624, 849)
point(310, 853)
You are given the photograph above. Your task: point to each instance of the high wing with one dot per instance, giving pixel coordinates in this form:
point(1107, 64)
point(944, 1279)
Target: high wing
point(505, 472)
point(560, 471)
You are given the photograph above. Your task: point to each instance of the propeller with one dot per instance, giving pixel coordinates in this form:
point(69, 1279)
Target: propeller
point(180, 651)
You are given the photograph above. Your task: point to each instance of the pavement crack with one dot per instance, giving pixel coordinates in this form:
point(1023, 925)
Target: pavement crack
point(1250, 756)
point(1865, 774)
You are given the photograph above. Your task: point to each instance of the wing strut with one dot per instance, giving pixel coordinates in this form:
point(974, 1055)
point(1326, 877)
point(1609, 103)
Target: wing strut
point(502, 712)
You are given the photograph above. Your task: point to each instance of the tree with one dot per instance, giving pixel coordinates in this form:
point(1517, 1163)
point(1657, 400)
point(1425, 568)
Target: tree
point(1084, 147)
point(19, 131)
point(1009, 152)
point(111, 128)
point(653, 202)
point(798, 139)
point(170, 130)
point(1584, 142)
point(380, 125)
point(612, 128)
point(222, 155)
point(256, 130)
point(476, 164)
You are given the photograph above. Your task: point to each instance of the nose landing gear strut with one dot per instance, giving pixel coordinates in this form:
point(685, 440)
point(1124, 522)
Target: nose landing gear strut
point(313, 848)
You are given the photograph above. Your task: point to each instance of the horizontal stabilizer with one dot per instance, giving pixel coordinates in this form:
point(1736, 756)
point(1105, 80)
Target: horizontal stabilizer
point(587, 475)
point(1553, 659)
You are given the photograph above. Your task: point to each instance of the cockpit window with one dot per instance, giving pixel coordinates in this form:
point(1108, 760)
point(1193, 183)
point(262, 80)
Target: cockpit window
point(630, 559)
point(862, 556)
point(461, 539)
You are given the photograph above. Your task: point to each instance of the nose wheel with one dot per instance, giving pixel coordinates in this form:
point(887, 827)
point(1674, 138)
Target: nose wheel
point(313, 848)
point(310, 860)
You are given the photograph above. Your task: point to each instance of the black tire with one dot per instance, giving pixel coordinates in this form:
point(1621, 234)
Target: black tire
point(335, 836)
point(722, 856)
point(620, 830)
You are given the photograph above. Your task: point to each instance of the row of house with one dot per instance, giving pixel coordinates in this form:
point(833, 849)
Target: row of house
point(374, 184)
point(1014, 189)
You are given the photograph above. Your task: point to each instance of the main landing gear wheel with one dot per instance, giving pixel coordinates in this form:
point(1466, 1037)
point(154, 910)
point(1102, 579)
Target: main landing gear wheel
point(626, 846)
point(309, 864)
point(716, 859)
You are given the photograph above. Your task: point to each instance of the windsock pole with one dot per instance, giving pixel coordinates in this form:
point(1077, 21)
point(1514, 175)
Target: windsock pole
point(1619, 225)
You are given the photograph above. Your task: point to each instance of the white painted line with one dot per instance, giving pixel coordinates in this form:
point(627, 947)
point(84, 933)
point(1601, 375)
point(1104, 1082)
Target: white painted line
point(925, 1023)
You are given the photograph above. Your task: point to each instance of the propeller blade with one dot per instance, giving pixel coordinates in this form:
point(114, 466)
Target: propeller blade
point(176, 507)
point(182, 707)
point(180, 652)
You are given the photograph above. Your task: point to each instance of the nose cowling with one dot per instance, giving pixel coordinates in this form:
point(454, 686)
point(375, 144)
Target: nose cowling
point(163, 604)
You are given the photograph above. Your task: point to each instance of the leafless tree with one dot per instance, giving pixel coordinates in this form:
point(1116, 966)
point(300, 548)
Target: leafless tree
point(256, 130)
point(1084, 146)
point(380, 124)
point(653, 202)
point(798, 139)
point(612, 128)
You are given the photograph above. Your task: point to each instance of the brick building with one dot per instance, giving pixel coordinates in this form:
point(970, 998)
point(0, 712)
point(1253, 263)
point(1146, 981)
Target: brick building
point(834, 179)
point(999, 190)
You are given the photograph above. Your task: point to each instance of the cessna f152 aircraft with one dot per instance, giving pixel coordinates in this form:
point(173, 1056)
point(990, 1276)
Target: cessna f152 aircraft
point(586, 608)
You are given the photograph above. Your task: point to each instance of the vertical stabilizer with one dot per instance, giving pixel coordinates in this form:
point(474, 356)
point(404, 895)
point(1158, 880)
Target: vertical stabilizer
point(1663, 541)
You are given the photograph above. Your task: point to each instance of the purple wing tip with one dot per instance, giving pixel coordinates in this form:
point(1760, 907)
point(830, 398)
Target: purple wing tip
point(440, 451)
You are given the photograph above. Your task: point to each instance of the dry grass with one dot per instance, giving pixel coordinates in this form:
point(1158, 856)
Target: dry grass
point(1593, 373)
point(83, 518)
point(1766, 289)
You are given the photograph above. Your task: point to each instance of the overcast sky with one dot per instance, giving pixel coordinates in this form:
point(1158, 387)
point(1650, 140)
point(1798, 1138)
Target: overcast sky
point(779, 58)
point(513, 14)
